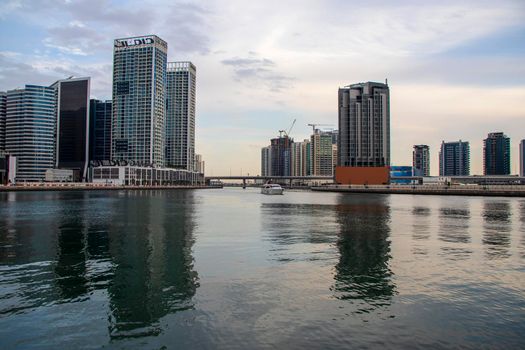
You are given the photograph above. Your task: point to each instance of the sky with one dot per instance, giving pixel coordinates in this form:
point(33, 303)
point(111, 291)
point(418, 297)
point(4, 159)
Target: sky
point(456, 69)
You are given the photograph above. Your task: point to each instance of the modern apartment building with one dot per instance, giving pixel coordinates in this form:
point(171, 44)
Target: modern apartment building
point(72, 131)
point(180, 115)
point(364, 125)
point(139, 100)
point(199, 164)
point(363, 145)
point(30, 130)
point(300, 158)
point(454, 159)
point(266, 161)
point(100, 130)
point(321, 153)
point(496, 154)
point(522, 158)
point(421, 160)
point(3, 114)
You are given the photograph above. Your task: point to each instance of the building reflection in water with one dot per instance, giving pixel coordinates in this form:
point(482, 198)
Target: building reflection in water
point(420, 229)
point(363, 274)
point(497, 228)
point(454, 222)
point(150, 244)
point(70, 267)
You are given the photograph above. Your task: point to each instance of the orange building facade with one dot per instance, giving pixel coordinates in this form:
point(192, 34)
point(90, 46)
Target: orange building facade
point(362, 175)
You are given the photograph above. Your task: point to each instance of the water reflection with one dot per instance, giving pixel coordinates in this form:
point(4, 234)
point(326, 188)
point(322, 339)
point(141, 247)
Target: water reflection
point(420, 229)
point(454, 223)
point(497, 227)
point(153, 273)
point(363, 275)
point(70, 267)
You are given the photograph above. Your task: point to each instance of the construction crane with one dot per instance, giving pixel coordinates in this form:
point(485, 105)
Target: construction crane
point(314, 126)
point(287, 133)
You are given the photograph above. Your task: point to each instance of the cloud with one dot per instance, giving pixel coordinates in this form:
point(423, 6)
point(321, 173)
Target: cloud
point(258, 71)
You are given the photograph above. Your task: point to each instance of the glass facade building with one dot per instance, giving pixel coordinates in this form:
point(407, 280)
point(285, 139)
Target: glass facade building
point(180, 115)
point(30, 130)
point(454, 159)
point(496, 154)
point(100, 130)
point(281, 154)
point(139, 100)
point(400, 171)
point(72, 143)
point(3, 114)
point(364, 125)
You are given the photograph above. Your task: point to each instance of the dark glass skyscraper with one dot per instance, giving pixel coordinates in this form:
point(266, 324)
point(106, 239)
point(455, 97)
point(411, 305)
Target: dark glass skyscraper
point(139, 100)
point(30, 130)
point(364, 125)
point(100, 130)
point(496, 154)
point(72, 143)
point(180, 115)
point(454, 159)
point(281, 150)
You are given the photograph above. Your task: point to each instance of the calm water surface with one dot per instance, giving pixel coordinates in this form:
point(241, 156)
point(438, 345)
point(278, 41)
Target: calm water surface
point(236, 269)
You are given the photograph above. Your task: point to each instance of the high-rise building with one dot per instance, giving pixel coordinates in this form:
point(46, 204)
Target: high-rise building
point(100, 130)
point(180, 115)
point(199, 164)
point(30, 130)
point(522, 158)
point(139, 100)
point(364, 125)
point(322, 153)
point(300, 166)
point(72, 130)
point(421, 160)
point(496, 154)
point(454, 159)
point(363, 145)
point(3, 114)
point(281, 150)
point(266, 161)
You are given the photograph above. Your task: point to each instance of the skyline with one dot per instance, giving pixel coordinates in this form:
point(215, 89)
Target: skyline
point(455, 69)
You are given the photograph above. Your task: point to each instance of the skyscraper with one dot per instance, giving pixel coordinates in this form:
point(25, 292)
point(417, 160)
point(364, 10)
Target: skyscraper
point(3, 114)
point(496, 154)
point(281, 148)
point(139, 100)
point(30, 130)
point(100, 130)
point(180, 115)
point(522, 158)
point(363, 145)
point(266, 161)
point(364, 125)
point(72, 135)
point(454, 159)
point(421, 160)
point(322, 153)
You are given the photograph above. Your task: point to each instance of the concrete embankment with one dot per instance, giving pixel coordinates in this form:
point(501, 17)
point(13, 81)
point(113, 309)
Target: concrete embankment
point(454, 190)
point(80, 187)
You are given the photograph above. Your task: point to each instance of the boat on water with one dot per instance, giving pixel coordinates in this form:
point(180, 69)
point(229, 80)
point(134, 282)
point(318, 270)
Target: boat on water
point(271, 189)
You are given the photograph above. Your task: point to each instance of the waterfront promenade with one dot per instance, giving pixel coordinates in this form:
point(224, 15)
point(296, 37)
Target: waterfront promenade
point(441, 190)
point(93, 187)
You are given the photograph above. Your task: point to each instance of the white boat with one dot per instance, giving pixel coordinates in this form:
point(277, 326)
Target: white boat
point(271, 189)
